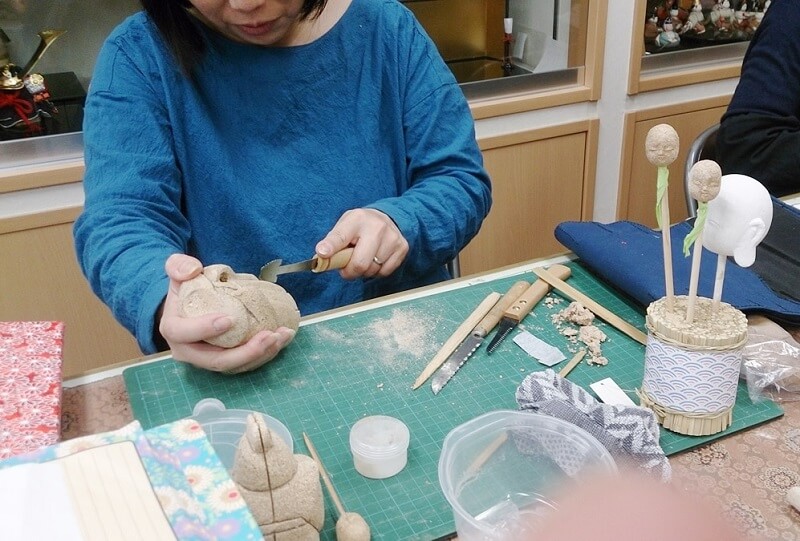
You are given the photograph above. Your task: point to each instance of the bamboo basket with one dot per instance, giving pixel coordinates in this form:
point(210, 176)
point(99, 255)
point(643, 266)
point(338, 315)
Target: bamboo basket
point(691, 371)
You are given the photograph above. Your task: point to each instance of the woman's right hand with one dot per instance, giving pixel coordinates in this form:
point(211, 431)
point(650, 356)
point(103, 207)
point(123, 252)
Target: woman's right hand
point(186, 336)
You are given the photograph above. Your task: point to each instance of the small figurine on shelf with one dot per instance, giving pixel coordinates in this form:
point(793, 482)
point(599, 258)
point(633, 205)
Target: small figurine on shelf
point(675, 19)
point(696, 20)
point(668, 37)
point(651, 28)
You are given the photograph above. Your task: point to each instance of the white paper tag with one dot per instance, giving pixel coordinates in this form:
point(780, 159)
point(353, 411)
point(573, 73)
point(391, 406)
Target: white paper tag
point(542, 351)
point(609, 392)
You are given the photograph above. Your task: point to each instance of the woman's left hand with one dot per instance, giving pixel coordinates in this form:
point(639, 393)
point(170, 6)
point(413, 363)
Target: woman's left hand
point(378, 246)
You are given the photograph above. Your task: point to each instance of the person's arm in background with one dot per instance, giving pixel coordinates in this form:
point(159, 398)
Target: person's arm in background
point(759, 135)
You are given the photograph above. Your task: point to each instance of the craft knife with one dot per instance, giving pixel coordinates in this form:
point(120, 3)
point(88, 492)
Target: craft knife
point(473, 341)
point(271, 270)
point(523, 305)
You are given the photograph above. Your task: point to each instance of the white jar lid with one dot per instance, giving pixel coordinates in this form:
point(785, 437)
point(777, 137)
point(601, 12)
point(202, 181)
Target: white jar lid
point(379, 436)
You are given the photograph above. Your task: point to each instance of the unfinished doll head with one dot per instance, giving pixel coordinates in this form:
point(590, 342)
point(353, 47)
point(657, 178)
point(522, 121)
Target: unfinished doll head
point(661, 145)
point(704, 180)
point(738, 218)
point(254, 305)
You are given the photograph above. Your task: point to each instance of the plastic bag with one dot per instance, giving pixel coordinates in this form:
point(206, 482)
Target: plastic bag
point(770, 362)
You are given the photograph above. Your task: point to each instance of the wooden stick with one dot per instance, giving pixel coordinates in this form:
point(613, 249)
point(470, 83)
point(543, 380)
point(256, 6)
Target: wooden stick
point(718, 280)
point(572, 363)
point(481, 459)
point(694, 278)
point(324, 474)
point(595, 307)
point(666, 238)
point(457, 337)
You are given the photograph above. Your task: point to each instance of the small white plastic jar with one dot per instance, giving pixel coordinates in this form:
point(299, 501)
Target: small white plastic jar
point(379, 444)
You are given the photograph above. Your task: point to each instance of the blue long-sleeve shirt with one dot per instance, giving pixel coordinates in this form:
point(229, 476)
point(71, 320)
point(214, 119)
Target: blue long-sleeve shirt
point(260, 156)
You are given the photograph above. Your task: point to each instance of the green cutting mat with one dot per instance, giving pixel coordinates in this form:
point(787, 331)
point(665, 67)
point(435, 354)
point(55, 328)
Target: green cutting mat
point(340, 370)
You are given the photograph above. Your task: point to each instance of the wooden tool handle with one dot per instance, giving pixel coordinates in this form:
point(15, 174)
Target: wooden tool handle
point(339, 260)
point(493, 317)
point(534, 294)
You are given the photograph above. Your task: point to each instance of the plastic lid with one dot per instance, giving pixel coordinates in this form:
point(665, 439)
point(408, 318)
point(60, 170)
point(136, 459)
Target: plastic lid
point(225, 427)
point(379, 436)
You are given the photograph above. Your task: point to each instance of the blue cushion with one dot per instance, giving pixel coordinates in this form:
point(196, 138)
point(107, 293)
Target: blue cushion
point(629, 256)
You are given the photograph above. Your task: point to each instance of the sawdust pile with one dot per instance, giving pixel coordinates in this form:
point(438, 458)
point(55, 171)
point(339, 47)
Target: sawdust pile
point(575, 322)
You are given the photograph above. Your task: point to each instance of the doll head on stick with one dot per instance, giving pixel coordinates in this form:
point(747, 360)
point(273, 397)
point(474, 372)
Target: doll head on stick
point(661, 145)
point(738, 218)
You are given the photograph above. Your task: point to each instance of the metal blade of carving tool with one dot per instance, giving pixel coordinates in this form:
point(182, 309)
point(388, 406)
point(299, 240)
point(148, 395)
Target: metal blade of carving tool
point(523, 305)
point(472, 342)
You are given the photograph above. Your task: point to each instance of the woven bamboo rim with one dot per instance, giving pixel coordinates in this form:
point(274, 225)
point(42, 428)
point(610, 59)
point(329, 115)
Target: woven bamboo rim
point(689, 342)
point(671, 328)
point(691, 424)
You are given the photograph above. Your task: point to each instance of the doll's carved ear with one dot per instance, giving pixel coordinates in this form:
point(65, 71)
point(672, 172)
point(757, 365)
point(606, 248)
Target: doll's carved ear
point(745, 252)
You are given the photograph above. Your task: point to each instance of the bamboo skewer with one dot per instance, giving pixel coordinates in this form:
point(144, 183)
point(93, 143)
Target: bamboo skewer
point(705, 179)
point(666, 243)
point(324, 474)
point(457, 337)
point(349, 526)
point(607, 315)
point(575, 361)
point(661, 148)
point(694, 277)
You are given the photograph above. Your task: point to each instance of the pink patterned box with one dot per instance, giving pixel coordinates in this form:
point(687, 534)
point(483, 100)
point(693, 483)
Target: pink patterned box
point(30, 385)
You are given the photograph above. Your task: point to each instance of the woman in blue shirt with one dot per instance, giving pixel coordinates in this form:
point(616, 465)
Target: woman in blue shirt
point(240, 131)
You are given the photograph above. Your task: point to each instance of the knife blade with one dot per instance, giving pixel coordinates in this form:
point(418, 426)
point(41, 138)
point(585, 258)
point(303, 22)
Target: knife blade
point(270, 271)
point(472, 342)
point(523, 305)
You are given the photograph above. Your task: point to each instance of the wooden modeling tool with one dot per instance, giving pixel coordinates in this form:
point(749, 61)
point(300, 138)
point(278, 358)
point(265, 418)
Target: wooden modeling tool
point(575, 361)
point(349, 526)
point(600, 311)
point(704, 183)
point(457, 337)
point(661, 148)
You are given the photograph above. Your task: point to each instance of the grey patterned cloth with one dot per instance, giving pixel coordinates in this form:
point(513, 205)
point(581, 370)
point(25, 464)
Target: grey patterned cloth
point(630, 433)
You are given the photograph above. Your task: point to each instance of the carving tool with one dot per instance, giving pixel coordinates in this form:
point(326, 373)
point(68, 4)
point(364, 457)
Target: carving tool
point(607, 315)
point(270, 271)
point(346, 519)
point(457, 337)
point(473, 341)
point(523, 305)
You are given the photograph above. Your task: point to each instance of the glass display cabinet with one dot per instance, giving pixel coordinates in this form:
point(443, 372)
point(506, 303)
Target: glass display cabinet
point(64, 58)
point(685, 42)
point(522, 51)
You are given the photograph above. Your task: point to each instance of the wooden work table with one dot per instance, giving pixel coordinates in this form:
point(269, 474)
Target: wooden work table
point(747, 474)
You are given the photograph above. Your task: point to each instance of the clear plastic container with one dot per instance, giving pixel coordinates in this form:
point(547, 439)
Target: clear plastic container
point(225, 427)
point(498, 471)
point(380, 446)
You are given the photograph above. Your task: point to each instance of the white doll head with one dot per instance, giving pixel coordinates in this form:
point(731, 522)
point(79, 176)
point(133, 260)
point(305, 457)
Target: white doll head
point(738, 218)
